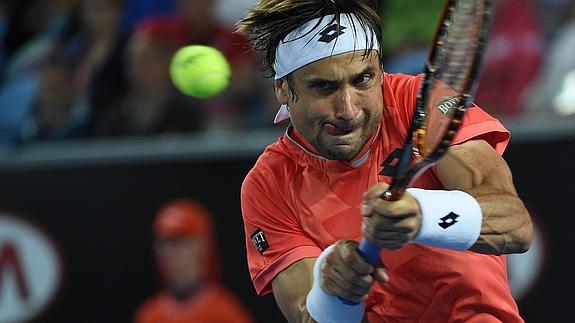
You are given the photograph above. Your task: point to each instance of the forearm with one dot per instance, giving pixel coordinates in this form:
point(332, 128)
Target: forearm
point(506, 227)
point(475, 168)
point(290, 289)
point(296, 311)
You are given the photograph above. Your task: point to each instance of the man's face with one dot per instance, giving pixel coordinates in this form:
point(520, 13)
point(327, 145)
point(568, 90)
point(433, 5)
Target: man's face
point(182, 260)
point(339, 102)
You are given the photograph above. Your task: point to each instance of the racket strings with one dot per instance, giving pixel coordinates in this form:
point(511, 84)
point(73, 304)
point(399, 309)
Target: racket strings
point(458, 44)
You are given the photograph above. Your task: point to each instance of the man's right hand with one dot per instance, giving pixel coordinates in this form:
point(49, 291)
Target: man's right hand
point(346, 274)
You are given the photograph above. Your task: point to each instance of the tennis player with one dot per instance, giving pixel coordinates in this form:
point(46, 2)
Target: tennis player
point(313, 194)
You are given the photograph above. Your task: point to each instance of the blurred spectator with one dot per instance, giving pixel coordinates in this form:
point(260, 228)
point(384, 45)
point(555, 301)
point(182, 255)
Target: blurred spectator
point(152, 105)
point(20, 76)
point(513, 58)
point(39, 29)
point(54, 114)
point(85, 78)
point(560, 60)
point(97, 54)
point(26, 19)
point(186, 255)
point(241, 104)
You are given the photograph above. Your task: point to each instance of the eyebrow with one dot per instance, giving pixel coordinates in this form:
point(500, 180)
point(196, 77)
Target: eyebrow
point(314, 80)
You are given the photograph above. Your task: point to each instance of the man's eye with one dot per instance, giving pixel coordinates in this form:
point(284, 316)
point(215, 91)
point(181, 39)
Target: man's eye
point(324, 87)
point(363, 80)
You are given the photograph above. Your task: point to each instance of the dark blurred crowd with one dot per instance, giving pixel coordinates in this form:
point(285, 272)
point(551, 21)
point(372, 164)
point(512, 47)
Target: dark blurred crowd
point(100, 68)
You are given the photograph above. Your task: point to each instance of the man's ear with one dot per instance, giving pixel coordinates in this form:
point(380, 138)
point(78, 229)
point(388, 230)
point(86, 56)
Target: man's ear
point(281, 89)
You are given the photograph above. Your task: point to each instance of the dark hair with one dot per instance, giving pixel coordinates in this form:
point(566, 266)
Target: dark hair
point(272, 20)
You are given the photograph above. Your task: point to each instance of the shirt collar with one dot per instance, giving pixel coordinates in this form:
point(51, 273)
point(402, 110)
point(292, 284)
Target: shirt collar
point(297, 139)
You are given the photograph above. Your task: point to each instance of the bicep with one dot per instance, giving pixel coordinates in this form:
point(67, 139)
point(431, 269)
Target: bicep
point(472, 166)
point(290, 288)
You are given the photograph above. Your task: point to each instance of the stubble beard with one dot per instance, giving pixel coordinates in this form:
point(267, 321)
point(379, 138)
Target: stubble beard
point(332, 152)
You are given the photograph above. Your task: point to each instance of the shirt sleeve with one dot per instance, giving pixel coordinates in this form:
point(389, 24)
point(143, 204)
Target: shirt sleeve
point(274, 237)
point(478, 124)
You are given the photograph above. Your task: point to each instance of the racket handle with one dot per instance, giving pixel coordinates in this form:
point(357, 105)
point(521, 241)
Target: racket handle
point(369, 251)
point(346, 302)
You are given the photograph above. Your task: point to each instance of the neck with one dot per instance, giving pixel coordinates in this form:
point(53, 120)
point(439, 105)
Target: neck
point(183, 293)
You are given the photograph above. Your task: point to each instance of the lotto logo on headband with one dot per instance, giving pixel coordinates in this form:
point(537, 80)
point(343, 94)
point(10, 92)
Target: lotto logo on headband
point(331, 33)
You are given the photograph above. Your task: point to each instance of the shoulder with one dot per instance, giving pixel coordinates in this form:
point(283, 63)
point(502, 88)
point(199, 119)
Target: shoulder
point(400, 98)
point(274, 168)
point(402, 82)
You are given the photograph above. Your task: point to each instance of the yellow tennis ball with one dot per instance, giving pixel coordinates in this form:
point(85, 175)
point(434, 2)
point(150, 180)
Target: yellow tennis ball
point(200, 71)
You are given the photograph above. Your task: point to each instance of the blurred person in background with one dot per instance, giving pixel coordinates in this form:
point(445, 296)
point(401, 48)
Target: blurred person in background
point(187, 259)
point(91, 44)
point(512, 60)
point(53, 113)
point(33, 32)
point(152, 105)
point(97, 54)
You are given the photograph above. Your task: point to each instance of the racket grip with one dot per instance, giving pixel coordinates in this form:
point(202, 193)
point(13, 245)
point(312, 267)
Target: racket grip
point(346, 302)
point(369, 251)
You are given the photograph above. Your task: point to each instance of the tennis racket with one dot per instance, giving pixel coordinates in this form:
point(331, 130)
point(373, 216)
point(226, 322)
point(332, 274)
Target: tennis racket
point(446, 91)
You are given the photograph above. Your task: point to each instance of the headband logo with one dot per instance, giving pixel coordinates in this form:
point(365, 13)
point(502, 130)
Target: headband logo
point(331, 33)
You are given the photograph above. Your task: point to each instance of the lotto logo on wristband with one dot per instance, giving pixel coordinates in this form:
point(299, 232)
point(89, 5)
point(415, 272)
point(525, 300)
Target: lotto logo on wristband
point(259, 240)
point(448, 220)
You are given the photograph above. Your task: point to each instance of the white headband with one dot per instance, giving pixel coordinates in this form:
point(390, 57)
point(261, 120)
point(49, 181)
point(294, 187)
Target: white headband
point(303, 45)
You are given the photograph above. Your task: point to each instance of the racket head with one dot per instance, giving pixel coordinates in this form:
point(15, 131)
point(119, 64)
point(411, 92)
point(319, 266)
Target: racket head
point(447, 88)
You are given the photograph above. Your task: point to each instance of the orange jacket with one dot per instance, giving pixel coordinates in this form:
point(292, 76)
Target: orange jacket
point(213, 304)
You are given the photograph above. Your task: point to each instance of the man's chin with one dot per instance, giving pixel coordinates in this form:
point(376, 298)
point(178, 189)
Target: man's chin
point(341, 152)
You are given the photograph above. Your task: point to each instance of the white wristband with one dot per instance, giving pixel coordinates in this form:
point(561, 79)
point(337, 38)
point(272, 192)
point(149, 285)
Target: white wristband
point(326, 308)
point(450, 219)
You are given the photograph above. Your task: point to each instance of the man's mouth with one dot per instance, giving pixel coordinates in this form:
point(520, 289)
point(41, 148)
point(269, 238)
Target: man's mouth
point(337, 130)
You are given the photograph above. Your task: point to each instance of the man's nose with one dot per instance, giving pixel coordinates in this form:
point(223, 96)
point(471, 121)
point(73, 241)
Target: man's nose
point(347, 109)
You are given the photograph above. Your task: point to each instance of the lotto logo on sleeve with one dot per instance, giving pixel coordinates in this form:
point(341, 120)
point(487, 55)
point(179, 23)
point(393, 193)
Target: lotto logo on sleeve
point(259, 240)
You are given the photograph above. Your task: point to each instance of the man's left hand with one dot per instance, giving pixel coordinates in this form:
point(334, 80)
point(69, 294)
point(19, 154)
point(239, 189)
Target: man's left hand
point(390, 224)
